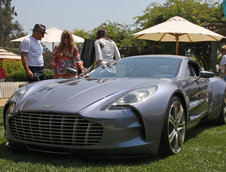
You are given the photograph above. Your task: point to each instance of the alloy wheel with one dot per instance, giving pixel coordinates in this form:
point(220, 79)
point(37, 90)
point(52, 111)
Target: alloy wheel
point(176, 126)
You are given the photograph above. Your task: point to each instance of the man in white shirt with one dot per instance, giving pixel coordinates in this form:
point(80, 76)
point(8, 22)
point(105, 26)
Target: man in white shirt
point(31, 54)
point(223, 62)
point(105, 48)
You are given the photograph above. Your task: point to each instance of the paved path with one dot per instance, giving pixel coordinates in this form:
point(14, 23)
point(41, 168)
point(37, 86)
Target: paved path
point(2, 102)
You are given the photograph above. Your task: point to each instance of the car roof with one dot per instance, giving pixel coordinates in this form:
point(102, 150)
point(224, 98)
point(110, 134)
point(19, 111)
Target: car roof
point(160, 56)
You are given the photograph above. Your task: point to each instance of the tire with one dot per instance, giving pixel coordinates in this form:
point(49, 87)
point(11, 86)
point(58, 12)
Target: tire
point(174, 128)
point(222, 118)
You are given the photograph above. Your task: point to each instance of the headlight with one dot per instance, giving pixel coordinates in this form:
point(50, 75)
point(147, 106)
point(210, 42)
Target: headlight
point(136, 96)
point(14, 99)
point(18, 94)
point(9, 111)
point(132, 98)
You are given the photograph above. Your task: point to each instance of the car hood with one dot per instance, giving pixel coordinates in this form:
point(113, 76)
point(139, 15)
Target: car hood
point(74, 95)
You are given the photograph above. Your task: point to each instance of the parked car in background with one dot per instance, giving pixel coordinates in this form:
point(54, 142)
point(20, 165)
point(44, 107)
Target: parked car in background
point(138, 106)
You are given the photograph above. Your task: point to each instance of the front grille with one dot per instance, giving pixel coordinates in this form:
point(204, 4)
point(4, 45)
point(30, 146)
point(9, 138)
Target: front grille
point(55, 129)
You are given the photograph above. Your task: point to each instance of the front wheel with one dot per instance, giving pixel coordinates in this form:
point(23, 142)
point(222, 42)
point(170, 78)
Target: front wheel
point(174, 127)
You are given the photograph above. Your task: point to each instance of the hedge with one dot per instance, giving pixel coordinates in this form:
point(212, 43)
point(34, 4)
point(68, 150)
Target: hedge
point(16, 72)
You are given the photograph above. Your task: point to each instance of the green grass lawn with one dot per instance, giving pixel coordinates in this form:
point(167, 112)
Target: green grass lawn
point(204, 150)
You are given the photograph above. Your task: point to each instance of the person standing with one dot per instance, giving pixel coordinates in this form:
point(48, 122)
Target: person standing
point(3, 75)
point(66, 55)
point(105, 49)
point(31, 54)
point(223, 62)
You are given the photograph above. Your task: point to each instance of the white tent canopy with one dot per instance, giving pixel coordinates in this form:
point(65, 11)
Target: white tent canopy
point(8, 56)
point(53, 35)
point(20, 39)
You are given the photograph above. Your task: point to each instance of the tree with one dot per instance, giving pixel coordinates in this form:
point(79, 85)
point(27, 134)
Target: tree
point(122, 35)
point(47, 54)
point(82, 33)
point(9, 28)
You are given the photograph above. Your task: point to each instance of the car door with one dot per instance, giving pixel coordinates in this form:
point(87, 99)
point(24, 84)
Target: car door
point(196, 91)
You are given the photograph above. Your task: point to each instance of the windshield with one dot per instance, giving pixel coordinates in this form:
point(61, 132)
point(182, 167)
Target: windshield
point(141, 67)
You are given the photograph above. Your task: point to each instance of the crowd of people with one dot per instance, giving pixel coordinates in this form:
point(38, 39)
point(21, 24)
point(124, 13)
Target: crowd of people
point(66, 55)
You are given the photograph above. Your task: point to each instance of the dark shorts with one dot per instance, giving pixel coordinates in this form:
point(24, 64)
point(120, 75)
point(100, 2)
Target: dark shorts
point(38, 72)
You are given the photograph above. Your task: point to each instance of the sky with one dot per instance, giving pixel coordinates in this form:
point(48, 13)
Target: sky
point(78, 14)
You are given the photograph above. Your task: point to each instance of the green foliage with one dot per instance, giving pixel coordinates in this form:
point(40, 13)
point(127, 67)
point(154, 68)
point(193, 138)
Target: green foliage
point(19, 75)
point(9, 28)
point(47, 55)
point(193, 10)
point(12, 66)
point(122, 35)
point(48, 74)
point(14, 71)
point(118, 32)
point(82, 33)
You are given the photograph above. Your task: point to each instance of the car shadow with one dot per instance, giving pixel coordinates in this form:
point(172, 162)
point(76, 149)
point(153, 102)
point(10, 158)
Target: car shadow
point(191, 133)
point(66, 161)
point(71, 161)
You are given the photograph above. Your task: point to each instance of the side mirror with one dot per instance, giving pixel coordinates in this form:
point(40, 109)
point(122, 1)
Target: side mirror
point(206, 74)
point(71, 71)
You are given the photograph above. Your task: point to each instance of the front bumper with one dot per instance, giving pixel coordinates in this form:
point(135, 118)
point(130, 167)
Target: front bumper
point(112, 133)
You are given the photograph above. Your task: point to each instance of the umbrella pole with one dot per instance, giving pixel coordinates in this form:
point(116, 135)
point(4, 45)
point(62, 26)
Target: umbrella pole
point(177, 44)
point(52, 46)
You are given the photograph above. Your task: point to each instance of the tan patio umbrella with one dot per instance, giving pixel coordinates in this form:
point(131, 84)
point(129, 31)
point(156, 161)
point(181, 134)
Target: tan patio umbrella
point(178, 29)
point(8, 56)
point(53, 35)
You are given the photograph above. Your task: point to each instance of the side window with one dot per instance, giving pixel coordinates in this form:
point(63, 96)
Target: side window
point(193, 68)
point(188, 73)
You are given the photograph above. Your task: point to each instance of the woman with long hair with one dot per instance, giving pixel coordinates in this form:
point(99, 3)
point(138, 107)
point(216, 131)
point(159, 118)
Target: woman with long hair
point(66, 55)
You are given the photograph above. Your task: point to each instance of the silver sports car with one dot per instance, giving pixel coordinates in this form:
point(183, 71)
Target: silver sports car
point(138, 106)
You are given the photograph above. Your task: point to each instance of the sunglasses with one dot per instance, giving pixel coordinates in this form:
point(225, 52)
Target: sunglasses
point(42, 33)
point(67, 37)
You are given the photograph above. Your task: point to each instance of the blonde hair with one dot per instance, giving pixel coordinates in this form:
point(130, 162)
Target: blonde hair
point(71, 44)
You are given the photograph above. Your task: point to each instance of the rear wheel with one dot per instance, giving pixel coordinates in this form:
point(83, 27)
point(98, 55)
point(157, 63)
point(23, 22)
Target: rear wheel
point(222, 118)
point(174, 127)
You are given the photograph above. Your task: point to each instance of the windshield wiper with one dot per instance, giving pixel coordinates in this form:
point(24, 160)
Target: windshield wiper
point(109, 64)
